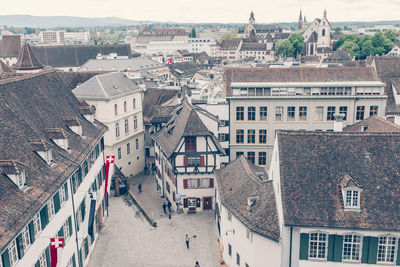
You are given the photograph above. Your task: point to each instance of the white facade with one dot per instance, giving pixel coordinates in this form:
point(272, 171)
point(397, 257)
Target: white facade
point(52, 37)
point(77, 38)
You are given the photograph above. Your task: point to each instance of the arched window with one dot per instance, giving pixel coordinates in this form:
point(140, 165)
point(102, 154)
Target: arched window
point(126, 126)
point(135, 122)
point(116, 109)
point(117, 129)
point(323, 32)
point(134, 103)
point(125, 107)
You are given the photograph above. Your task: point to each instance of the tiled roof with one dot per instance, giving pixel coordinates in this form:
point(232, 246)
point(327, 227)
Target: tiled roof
point(72, 121)
point(9, 167)
point(4, 67)
point(61, 56)
point(297, 75)
point(123, 65)
point(56, 133)
point(253, 47)
point(313, 166)
point(39, 145)
point(153, 98)
point(27, 59)
point(73, 79)
point(240, 180)
point(232, 44)
point(10, 46)
point(184, 69)
point(374, 124)
point(106, 86)
point(339, 56)
point(28, 106)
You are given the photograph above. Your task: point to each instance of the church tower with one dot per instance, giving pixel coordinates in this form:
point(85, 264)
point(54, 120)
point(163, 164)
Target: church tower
point(324, 32)
point(252, 20)
point(300, 21)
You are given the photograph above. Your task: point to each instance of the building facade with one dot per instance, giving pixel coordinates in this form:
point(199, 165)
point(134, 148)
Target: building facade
point(263, 101)
point(52, 37)
point(118, 104)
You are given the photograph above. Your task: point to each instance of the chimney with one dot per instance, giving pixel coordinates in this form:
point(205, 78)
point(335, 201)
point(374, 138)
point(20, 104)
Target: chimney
point(338, 123)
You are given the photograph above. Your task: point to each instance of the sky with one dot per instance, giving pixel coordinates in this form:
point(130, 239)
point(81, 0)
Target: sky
point(222, 11)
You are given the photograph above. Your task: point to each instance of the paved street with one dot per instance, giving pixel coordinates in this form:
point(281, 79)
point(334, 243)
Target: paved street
point(128, 240)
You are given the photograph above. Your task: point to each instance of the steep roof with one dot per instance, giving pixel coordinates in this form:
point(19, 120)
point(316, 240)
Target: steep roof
point(350, 74)
point(106, 86)
point(61, 56)
point(184, 69)
point(373, 124)
point(27, 59)
point(253, 47)
point(133, 64)
point(155, 97)
point(4, 68)
point(10, 46)
point(231, 44)
point(240, 180)
point(339, 55)
point(29, 105)
point(313, 166)
point(73, 79)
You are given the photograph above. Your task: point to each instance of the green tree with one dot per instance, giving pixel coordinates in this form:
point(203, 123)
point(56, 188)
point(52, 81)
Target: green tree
point(297, 41)
point(337, 30)
point(193, 33)
point(284, 48)
point(390, 34)
point(351, 47)
point(367, 49)
point(228, 35)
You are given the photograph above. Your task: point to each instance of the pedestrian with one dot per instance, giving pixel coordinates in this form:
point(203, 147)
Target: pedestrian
point(197, 264)
point(169, 216)
point(187, 239)
point(139, 187)
point(145, 169)
point(148, 168)
point(169, 206)
point(164, 207)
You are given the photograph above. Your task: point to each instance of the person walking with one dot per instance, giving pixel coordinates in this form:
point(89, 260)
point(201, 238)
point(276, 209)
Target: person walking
point(139, 187)
point(197, 264)
point(187, 240)
point(164, 207)
point(169, 206)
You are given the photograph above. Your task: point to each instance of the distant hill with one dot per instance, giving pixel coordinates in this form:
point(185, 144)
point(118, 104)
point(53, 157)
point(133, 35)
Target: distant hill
point(62, 21)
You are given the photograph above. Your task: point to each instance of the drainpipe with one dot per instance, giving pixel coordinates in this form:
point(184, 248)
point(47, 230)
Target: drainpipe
point(290, 252)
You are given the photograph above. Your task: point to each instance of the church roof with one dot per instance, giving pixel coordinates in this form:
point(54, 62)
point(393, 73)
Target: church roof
point(27, 59)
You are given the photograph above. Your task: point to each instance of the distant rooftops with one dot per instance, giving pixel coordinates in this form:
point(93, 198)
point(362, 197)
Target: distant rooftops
point(123, 65)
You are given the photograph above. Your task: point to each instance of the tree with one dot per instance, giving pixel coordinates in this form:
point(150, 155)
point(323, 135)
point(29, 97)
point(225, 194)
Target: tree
point(337, 30)
point(193, 33)
point(228, 35)
point(390, 34)
point(297, 41)
point(351, 47)
point(284, 48)
point(367, 49)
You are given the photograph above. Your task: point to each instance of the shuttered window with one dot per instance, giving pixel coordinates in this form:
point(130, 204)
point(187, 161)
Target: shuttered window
point(386, 249)
point(351, 248)
point(317, 245)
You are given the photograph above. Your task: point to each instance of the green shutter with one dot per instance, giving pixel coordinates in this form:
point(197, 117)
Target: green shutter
point(6, 259)
point(56, 199)
point(73, 183)
point(48, 256)
point(61, 232)
point(73, 260)
point(37, 264)
point(20, 246)
point(304, 246)
point(373, 250)
point(331, 247)
point(83, 206)
point(398, 253)
point(44, 216)
point(70, 225)
point(365, 249)
point(337, 254)
point(66, 191)
point(31, 232)
point(86, 247)
point(77, 221)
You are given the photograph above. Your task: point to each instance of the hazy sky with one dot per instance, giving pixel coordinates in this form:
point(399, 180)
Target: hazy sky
point(223, 11)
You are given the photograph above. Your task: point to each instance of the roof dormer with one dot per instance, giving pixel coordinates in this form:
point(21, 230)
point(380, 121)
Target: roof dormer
point(43, 150)
point(16, 175)
point(351, 193)
point(87, 112)
point(74, 125)
point(59, 137)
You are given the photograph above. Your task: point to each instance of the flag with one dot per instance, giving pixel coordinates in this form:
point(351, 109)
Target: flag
point(109, 166)
point(91, 214)
point(56, 244)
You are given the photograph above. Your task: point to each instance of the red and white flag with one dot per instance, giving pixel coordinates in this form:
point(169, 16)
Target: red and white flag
point(109, 171)
point(56, 245)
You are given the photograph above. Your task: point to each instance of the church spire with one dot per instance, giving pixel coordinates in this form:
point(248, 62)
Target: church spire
point(325, 13)
point(301, 15)
point(252, 19)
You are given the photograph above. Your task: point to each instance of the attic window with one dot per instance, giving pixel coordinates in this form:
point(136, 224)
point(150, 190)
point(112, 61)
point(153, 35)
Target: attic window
point(43, 150)
point(351, 197)
point(9, 168)
point(74, 125)
point(59, 137)
point(251, 201)
point(260, 175)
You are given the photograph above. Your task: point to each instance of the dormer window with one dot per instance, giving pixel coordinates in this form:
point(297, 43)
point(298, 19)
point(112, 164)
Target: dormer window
point(43, 150)
point(351, 197)
point(87, 112)
point(74, 125)
point(59, 137)
point(17, 176)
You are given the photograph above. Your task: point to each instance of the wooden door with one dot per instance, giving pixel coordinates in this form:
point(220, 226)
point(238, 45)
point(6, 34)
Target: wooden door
point(207, 203)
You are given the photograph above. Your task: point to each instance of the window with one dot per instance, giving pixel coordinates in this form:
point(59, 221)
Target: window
point(373, 111)
point(117, 129)
point(303, 113)
point(50, 208)
point(317, 246)
point(291, 113)
point(42, 260)
point(229, 250)
point(137, 143)
point(279, 113)
point(135, 122)
point(352, 198)
point(330, 116)
point(351, 247)
point(126, 126)
point(251, 156)
point(26, 242)
point(192, 202)
point(263, 113)
point(239, 136)
point(21, 179)
point(62, 195)
point(128, 148)
point(66, 230)
point(251, 136)
point(134, 103)
point(262, 136)
point(125, 107)
point(237, 259)
point(343, 110)
point(323, 31)
point(119, 153)
point(249, 235)
point(116, 109)
point(239, 153)
point(12, 252)
point(262, 158)
point(386, 249)
point(37, 227)
point(360, 113)
point(229, 217)
point(251, 113)
point(319, 113)
point(194, 161)
point(239, 113)
point(205, 183)
point(190, 143)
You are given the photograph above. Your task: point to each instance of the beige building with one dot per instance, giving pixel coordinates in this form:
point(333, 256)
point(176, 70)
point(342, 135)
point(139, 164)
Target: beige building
point(263, 101)
point(118, 104)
